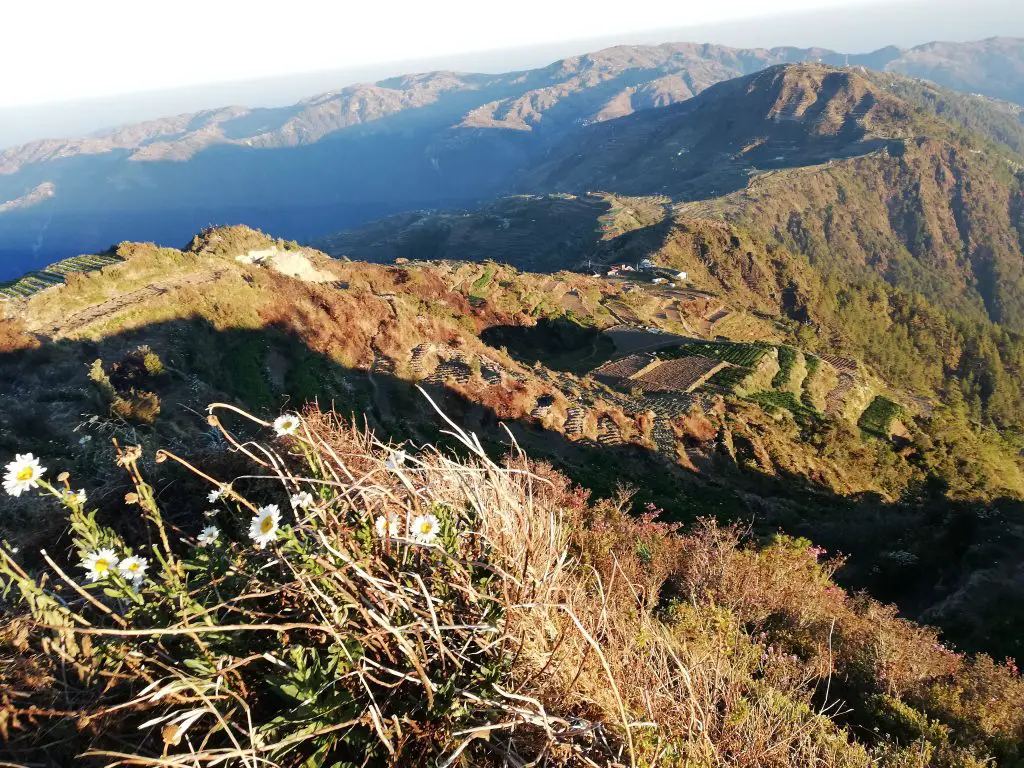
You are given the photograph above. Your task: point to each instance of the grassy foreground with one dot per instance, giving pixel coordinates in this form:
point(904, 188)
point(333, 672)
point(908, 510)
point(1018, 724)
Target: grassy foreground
point(346, 604)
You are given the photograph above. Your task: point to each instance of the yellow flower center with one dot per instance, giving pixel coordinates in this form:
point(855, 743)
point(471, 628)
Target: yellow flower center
point(102, 565)
point(26, 473)
point(266, 525)
point(426, 526)
point(287, 425)
point(133, 567)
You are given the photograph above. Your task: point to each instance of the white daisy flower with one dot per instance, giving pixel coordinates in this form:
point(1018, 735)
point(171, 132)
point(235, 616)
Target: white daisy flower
point(387, 526)
point(396, 459)
point(424, 529)
point(208, 535)
point(22, 474)
point(215, 495)
point(286, 424)
point(302, 500)
point(263, 527)
point(99, 564)
point(133, 569)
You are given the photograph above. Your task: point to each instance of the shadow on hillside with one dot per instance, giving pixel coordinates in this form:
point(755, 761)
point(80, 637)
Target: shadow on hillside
point(48, 403)
point(638, 244)
point(559, 344)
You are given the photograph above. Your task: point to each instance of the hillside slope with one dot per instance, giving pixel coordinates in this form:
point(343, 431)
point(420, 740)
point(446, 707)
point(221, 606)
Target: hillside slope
point(541, 233)
point(757, 427)
point(846, 280)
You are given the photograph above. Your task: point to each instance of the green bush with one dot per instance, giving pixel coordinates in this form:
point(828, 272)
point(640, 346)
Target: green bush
point(100, 378)
point(787, 359)
point(151, 361)
point(878, 417)
point(121, 390)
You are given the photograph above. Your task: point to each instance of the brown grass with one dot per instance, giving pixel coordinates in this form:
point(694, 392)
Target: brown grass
point(14, 336)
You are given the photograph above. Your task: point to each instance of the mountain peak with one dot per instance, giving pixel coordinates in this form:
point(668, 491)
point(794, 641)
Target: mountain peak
point(831, 98)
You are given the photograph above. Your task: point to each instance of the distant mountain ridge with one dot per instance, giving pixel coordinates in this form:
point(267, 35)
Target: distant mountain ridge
point(418, 141)
point(681, 70)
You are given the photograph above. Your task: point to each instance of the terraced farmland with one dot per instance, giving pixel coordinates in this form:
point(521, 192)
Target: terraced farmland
point(615, 371)
point(34, 282)
point(840, 363)
point(770, 401)
point(681, 375)
point(728, 379)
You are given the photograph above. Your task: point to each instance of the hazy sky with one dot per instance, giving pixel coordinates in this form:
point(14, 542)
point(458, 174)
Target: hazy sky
point(69, 49)
point(72, 68)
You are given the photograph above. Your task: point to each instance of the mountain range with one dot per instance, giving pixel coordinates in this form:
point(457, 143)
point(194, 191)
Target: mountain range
point(421, 141)
point(826, 162)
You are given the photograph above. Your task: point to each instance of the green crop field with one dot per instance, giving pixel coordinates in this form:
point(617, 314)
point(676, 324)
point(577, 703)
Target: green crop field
point(771, 401)
point(54, 274)
point(482, 282)
point(728, 379)
point(741, 354)
point(812, 362)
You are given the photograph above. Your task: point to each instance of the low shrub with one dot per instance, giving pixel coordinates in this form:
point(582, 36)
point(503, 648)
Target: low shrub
point(122, 388)
point(877, 419)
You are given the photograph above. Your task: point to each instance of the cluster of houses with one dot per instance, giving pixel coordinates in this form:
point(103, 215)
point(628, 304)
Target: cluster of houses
point(649, 268)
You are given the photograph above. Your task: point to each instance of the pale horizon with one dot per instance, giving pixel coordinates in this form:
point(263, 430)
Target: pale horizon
point(197, 42)
point(184, 63)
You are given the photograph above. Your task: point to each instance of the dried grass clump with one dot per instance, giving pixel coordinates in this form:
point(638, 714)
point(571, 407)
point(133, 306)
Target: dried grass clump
point(14, 336)
point(527, 627)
